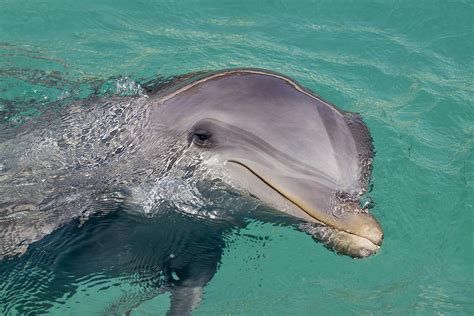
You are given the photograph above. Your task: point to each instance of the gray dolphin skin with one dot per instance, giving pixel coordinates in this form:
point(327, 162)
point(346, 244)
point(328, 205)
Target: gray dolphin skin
point(284, 145)
point(257, 132)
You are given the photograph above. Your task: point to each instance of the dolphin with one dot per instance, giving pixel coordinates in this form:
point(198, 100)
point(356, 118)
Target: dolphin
point(255, 131)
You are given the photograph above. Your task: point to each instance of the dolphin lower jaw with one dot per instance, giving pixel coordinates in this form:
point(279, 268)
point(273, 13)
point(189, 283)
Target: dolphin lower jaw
point(350, 229)
point(340, 241)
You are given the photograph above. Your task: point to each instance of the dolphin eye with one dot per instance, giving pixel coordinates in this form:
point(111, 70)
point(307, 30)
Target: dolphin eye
point(201, 138)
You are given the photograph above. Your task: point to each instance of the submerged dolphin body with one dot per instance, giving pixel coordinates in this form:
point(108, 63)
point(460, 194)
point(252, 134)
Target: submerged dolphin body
point(254, 130)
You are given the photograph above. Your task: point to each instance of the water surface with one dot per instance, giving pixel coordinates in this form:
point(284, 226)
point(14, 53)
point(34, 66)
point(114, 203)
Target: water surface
point(406, 66)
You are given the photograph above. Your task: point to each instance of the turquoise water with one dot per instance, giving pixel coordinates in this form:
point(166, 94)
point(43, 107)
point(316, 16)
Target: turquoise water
point(406, 66)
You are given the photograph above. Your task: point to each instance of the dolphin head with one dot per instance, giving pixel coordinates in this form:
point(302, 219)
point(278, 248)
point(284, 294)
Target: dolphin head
point(282, 144)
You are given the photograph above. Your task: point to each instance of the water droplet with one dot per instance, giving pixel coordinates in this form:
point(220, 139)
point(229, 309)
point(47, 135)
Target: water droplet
point(174, 275)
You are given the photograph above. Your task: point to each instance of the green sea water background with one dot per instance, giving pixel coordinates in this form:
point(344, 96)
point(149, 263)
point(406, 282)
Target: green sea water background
point(406, 66)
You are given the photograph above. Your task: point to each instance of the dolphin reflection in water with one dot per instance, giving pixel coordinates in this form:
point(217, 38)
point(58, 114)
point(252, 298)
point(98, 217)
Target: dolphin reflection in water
point(151, 185)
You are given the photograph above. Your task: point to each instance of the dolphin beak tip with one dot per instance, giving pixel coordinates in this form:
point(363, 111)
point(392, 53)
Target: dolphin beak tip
point(375, 235)
point(362, 249)
point(364, 253)
point(366, 226)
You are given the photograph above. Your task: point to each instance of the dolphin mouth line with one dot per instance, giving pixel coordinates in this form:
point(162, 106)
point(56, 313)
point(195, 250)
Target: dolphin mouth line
point(297, 205)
